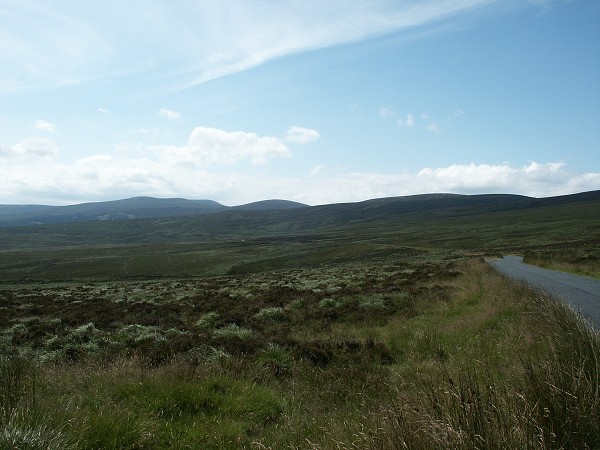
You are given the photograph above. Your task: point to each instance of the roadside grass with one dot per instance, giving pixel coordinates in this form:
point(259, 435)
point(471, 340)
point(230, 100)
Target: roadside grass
point(438, 353)
point(521, 370)
point(580, 261)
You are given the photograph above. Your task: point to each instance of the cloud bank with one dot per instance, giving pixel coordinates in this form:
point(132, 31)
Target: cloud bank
point(202, 168)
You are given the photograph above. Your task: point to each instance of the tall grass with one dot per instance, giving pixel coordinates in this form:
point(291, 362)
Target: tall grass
point(549, 398)
point(22, 426)
point(564, 385)
point(17, 386)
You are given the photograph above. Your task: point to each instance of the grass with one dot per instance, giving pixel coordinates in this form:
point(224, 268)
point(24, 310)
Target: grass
point(580, 261)
point(475, 361)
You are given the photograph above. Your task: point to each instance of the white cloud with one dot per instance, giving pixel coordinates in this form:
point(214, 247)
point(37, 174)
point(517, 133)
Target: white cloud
point(45, 126)
point(300, 135)
point(169, 114)
point(214, 146)
point(535, 179)
point(103, 110)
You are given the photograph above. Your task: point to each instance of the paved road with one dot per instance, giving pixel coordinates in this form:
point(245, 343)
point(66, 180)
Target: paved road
point(582, 293)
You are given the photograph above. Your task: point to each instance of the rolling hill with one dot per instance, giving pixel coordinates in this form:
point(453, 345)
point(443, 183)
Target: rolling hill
point(179, 220)
point(276, 235)
point(131, 208)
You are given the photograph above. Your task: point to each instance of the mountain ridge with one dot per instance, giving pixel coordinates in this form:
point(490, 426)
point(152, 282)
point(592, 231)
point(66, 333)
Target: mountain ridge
point(273, 210)
point(129, 208)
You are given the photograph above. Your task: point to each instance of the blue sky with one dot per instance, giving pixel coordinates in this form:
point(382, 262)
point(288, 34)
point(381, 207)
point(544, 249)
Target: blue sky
point(314, 101)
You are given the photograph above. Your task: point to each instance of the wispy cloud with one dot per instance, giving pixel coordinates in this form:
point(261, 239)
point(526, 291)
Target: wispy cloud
point(45, 126)
point(68, 42)
point(103, 110)
point(169, 114)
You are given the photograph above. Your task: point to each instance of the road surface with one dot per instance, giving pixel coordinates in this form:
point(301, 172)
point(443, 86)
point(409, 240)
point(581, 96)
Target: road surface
point(582, 293)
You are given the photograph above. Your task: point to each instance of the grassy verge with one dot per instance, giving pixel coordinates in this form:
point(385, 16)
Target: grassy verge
point(588, 268)
point(581, 258)
point(404, 353)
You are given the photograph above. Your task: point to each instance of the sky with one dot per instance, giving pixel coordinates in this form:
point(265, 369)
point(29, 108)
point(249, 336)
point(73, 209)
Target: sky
point(315, 101)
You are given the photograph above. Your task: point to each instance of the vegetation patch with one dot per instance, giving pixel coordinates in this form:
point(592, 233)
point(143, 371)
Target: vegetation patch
point(385, 334)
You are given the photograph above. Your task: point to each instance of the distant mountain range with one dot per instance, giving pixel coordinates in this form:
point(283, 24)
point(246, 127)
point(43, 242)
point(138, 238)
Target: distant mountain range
point(131, 208)
point(274, 210)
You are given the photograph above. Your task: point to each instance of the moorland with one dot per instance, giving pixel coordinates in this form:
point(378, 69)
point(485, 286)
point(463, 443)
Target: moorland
point(367, 325)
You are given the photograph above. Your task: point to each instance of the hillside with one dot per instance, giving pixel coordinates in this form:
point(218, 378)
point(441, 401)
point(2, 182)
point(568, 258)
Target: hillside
point(249, 240)
point(178, 220)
